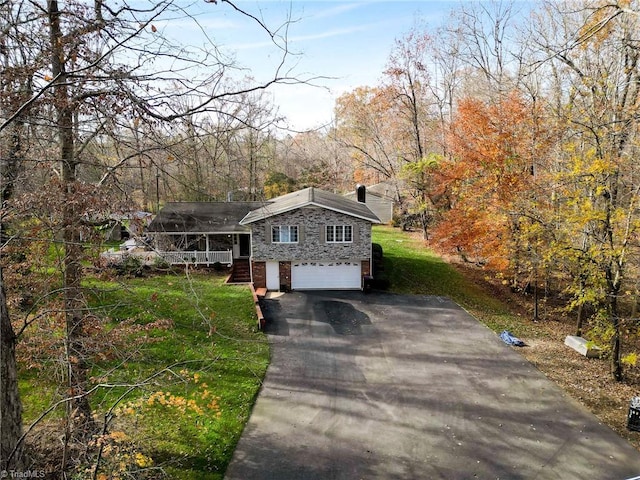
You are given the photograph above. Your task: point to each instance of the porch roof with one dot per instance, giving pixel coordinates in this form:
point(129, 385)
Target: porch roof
point(202, 217)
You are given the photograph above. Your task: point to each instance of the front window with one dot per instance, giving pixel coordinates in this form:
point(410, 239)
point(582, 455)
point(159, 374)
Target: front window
point(284, 234)
point(339, 234)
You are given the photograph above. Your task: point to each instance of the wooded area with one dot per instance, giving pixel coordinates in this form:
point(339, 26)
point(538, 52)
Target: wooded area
point(514, 137)
point(510, 138)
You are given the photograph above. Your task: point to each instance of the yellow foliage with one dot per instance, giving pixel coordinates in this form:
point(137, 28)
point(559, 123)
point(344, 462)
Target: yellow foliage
point(196, 402)
point(630, 360)
point(120, 457)
point(598, 27)
point(601, 166)
point(143, 461)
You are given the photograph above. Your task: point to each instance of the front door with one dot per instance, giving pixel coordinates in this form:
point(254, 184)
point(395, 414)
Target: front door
point(245, 245)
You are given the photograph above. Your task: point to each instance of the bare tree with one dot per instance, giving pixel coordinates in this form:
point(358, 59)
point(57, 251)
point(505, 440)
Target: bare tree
point(99, 67)
point(17, 69)
point(488, 47)
point(316, 159)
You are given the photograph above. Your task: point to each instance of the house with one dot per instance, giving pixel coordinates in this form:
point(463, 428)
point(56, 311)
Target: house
point(379, 198)
point(309, 239)
point(202, 233)
point(122, 226)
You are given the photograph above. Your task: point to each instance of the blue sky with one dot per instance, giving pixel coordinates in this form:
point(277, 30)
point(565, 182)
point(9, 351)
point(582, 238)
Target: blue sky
point(348, 41)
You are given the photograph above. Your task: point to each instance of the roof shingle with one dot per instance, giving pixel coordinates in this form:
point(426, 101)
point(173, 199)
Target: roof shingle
point(202, 217)
point(310, 196)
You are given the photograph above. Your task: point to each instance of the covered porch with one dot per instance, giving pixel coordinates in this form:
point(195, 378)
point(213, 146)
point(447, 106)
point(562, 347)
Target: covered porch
point(202, 249)
point(202, 233)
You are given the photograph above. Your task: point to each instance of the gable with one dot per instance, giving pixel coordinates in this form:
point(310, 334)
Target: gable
point(383, 189)
point(382, 206)
point(311, 197)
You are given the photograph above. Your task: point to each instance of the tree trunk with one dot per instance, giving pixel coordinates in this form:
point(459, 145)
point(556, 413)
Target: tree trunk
point(580, 321)
point(80, 420)
point(79, 409)
point(425, 219)
point(613, 289)
point(616, 363)
point(11, 448)
point(581, 307)
point(10, 404)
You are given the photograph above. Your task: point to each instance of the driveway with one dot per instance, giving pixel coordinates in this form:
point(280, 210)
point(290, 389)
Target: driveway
point(384, 386)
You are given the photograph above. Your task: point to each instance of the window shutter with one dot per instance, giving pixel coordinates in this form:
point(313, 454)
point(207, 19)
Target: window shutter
point(355, 233)
point(301, 234)
point(268, 233)
point(323, 234)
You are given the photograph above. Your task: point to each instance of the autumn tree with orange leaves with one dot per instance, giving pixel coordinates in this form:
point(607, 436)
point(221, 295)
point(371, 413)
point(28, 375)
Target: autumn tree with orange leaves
point(485, 189)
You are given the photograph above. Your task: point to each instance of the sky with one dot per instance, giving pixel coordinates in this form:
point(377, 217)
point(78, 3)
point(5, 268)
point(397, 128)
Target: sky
point(346, 43)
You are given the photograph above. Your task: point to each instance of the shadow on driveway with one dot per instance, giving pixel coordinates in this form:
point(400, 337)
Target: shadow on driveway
point(411, 387)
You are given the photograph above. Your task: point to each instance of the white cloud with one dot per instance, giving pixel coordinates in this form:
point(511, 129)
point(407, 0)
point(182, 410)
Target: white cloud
point(338, 10)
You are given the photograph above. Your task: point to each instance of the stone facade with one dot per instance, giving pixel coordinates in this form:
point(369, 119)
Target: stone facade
point(311, 222)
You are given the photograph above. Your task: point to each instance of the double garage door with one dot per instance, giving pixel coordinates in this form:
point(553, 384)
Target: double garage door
point(318, 275)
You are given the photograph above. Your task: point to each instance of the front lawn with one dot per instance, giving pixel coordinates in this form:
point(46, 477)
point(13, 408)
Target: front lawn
point(178, 364)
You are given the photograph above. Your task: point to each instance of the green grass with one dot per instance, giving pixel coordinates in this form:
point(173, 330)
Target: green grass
point(414, 269)
point(191, 348)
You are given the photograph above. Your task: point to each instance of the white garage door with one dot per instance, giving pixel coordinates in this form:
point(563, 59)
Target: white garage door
point(325, 275)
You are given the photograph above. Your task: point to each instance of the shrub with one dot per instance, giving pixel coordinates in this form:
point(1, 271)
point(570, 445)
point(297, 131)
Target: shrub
point(381, 282)
point(160, 263)
point(376, 250)
point(218, 267)
point(130, 266)
point(380, 279)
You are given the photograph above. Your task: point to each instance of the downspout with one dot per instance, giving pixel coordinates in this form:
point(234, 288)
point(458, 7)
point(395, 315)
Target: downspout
point(251, 259)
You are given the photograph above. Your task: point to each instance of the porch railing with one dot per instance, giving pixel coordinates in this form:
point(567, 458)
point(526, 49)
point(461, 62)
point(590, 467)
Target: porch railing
point(198, 258)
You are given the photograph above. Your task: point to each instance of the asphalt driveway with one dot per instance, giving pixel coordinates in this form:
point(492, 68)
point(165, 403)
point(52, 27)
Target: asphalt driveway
point(411, 387)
